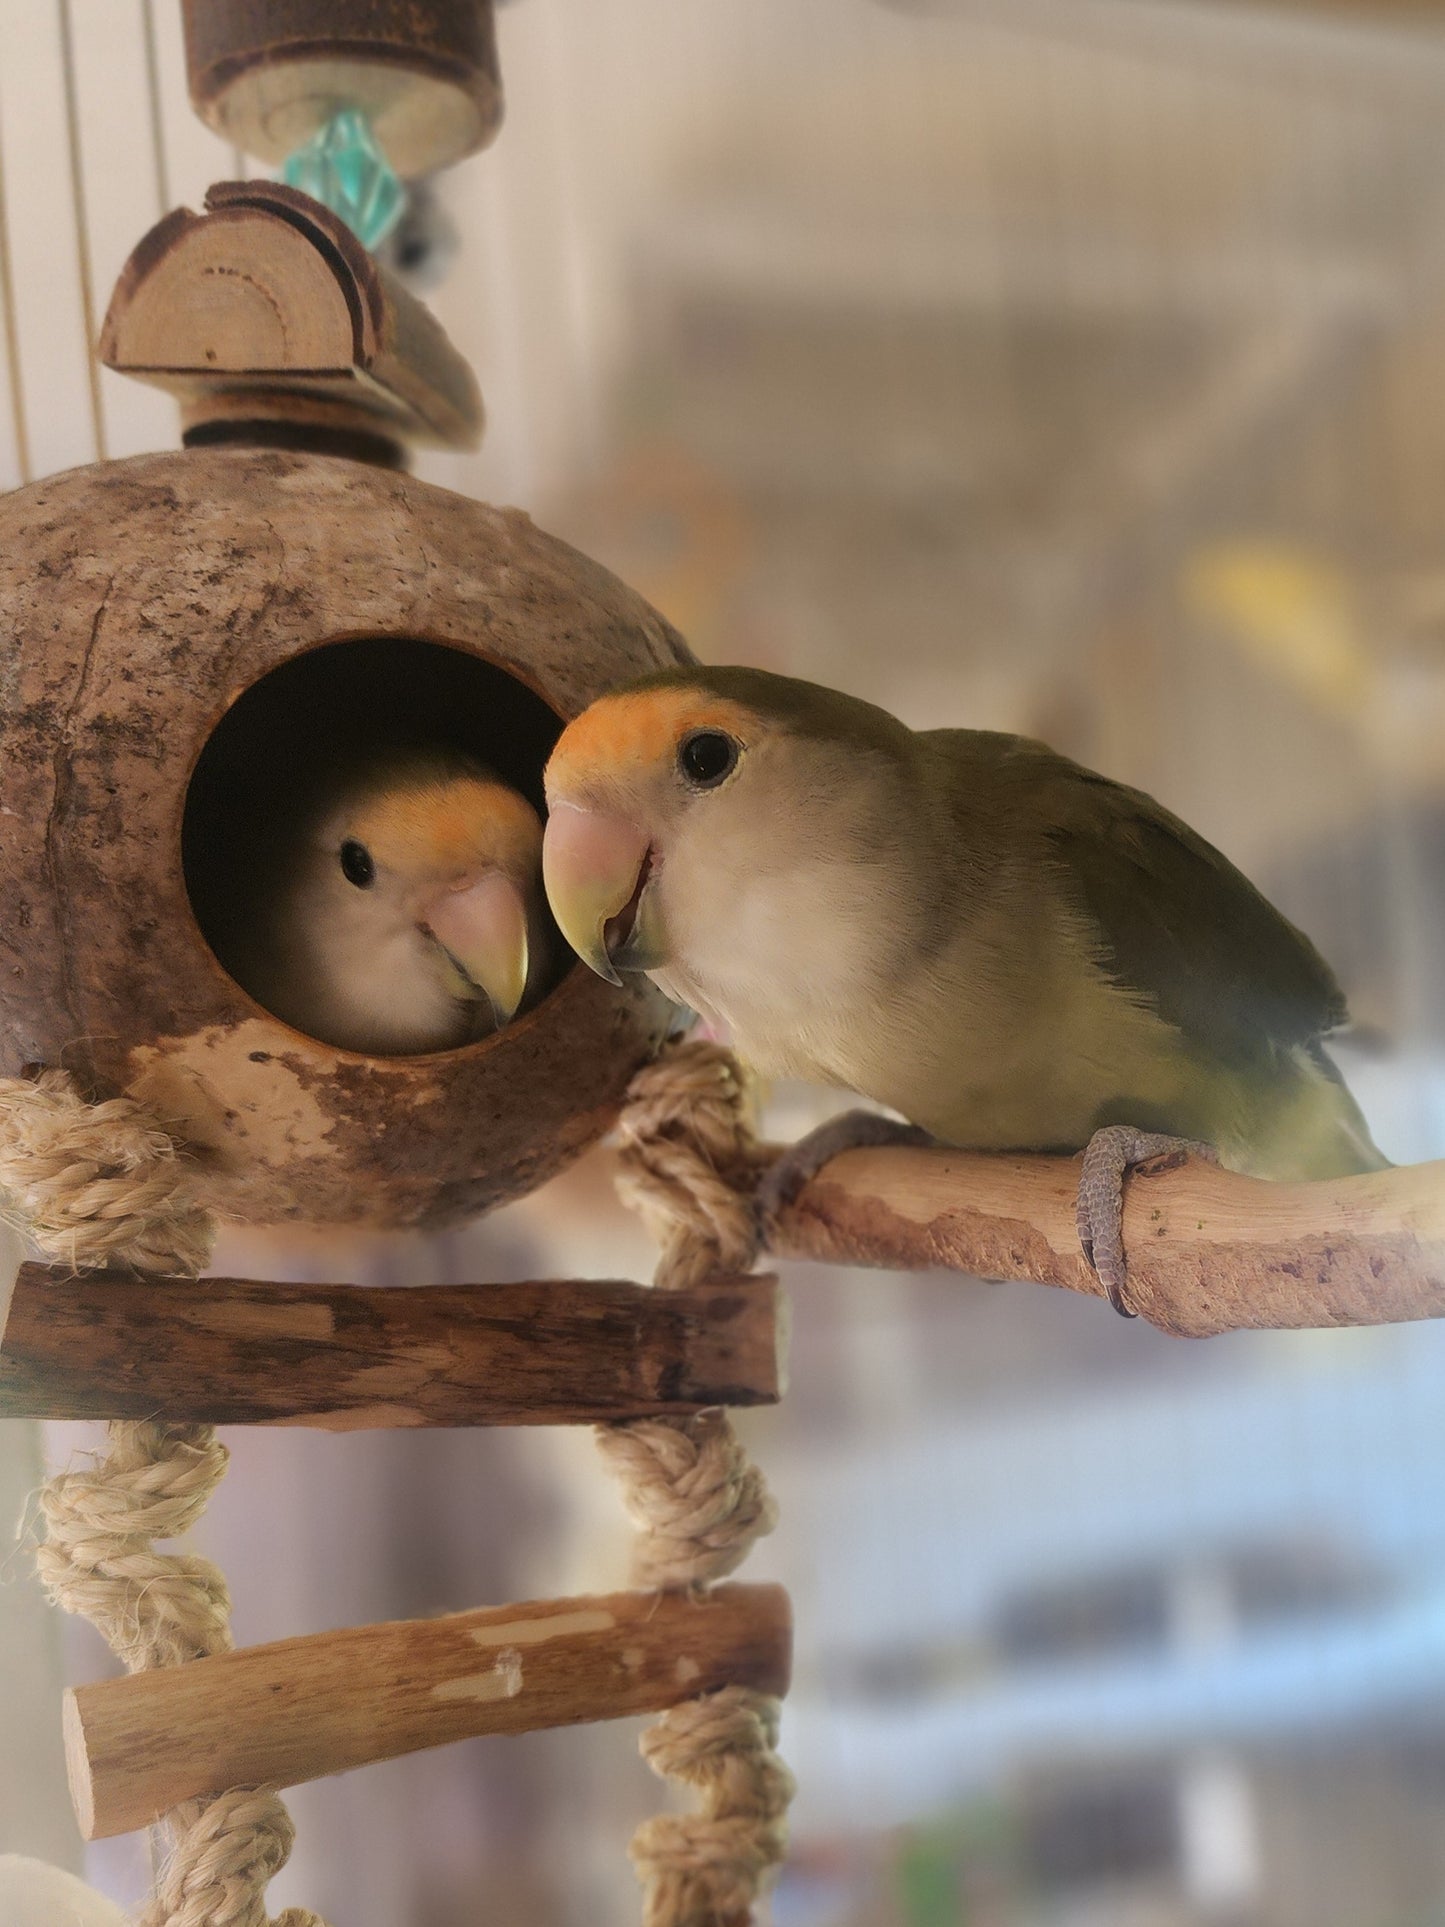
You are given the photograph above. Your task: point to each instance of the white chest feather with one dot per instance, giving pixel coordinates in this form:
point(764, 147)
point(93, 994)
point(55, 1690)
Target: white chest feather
point(789, 962)
point(1001, 1035)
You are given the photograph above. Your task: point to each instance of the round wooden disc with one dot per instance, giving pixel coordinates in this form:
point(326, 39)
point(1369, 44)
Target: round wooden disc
point(267, 76)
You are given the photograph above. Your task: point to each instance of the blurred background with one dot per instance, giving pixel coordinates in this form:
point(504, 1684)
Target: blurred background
point(1068, 366)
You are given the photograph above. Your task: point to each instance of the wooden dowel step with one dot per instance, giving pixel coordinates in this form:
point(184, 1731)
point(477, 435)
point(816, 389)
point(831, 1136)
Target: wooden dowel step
point(229, 1351)
point(1208, 1251)
point(302, 1708)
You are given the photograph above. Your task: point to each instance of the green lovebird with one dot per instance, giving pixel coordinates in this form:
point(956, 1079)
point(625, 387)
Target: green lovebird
point(396, 907)
point(1011, 951)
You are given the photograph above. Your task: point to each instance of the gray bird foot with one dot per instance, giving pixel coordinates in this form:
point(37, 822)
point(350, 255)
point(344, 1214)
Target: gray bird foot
point(1099, 1206)
point(853, 1131)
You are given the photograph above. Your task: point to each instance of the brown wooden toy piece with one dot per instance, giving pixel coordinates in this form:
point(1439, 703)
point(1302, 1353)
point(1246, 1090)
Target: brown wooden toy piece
point(266, 74)
point(271, 323)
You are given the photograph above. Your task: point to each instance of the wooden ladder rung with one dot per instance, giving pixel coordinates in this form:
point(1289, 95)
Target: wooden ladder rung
point(230, 1351)
point(304, 1708)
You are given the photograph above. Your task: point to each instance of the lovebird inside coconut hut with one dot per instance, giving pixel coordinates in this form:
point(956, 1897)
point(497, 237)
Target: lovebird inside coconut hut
point(722, 1070)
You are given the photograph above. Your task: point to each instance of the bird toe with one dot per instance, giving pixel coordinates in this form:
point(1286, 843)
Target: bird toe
point(1110, 1155)
point(854, 1131)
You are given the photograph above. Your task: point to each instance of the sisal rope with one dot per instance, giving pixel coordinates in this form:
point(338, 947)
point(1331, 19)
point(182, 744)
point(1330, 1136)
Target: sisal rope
point(709, 1866)
point(691, 1489)
point(97, 1184)
point(151, 1608)
point(689, 1161)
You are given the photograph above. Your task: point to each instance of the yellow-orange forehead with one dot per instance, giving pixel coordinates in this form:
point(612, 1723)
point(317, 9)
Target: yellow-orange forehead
point(635, 731)
point(451, 824)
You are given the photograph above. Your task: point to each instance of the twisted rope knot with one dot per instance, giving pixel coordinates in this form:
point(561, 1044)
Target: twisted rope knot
point(708, 1742)
point(95, 1184)
point(690, 1164)
point(152, 1608)
point(217, 1871)
point(689, 1161)
point(707, 1867)
point(157, 1481)
point(694, 1492)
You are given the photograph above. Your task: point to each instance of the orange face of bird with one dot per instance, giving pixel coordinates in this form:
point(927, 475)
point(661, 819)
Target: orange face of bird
point(618, 778)
point(460, 852)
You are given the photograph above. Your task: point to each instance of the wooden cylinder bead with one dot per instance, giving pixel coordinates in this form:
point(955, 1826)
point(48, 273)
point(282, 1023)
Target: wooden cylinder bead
point(265, 314)
point(226, 1351)
point(266, 74)
point(303, 1708)
point(1208, 1250)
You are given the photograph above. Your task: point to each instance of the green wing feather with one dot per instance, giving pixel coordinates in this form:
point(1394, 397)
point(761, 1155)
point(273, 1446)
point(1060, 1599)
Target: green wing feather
point(1174, 921)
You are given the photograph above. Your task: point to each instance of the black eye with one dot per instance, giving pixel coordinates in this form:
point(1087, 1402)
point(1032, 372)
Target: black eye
point(356, 864)
point(706, 757)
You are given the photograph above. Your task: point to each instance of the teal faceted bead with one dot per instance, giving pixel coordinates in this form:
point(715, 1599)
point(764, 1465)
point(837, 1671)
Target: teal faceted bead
point(343, 167)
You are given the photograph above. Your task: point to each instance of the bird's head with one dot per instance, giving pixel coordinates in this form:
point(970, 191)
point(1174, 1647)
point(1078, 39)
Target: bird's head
point(674, 803)
point(443, 846)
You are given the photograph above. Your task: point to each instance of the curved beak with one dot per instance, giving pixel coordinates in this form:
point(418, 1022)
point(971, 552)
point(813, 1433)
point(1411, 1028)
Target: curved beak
point(482, 925)
point(595, 869)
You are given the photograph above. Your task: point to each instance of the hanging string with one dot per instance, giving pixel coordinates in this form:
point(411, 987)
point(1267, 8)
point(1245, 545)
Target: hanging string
point(82, 227)
point(153, 100)
point(10, 328)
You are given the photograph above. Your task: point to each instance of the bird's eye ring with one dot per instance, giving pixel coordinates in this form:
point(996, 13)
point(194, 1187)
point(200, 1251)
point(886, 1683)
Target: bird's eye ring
point(706, 756)
point(356, 864)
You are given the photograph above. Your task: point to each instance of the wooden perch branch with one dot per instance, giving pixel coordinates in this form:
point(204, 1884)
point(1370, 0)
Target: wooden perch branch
point(302, 1708)
point(1209, 1251)
point(225, 1351)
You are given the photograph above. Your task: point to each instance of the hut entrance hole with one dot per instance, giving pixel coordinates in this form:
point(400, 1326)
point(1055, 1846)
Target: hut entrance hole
point(285, 742)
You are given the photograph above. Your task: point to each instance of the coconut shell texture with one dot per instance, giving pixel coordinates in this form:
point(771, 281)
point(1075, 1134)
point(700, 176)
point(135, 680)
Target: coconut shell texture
point(138, 601)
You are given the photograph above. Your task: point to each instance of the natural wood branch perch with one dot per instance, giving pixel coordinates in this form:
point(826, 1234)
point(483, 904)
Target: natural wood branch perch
point(301, 1708)
point(226, 1351)
point(1209, 1251)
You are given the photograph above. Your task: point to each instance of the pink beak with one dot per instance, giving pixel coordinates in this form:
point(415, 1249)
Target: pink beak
point(482, 923)
point(595, 868)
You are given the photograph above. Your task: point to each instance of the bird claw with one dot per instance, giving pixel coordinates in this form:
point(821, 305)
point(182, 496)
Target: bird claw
point(1109, 1156)
point(853, 1131)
